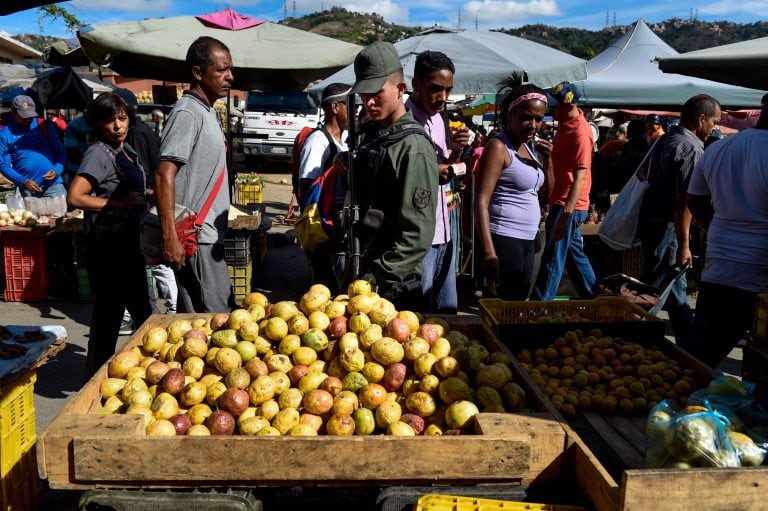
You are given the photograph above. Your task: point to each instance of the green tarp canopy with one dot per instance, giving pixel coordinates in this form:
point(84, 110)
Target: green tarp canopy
point(266, 56)
point(744, 63)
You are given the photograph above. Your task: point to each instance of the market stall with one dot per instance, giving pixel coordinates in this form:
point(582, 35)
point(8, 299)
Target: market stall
point(558, 443)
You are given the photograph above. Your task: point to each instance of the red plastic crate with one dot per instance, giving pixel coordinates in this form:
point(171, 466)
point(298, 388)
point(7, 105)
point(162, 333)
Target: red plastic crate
point(25, 266)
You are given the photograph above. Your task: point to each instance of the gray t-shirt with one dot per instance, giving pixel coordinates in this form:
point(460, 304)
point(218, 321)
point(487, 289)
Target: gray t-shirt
point(193, 138)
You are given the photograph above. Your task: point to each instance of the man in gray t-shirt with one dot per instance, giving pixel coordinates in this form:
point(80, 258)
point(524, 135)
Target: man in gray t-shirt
point(192, 157)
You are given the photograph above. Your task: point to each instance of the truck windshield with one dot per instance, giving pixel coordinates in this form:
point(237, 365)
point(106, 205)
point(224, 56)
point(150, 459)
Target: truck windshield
point(287, 102)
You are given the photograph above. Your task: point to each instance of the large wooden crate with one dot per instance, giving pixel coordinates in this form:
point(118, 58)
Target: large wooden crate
point(606, 454)
point(82, 450)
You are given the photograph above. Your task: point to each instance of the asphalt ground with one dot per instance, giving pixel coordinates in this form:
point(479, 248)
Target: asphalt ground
point(283, 274)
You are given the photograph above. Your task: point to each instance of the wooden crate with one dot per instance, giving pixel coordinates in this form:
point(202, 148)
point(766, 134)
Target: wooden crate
point(81, 450)
point(606, 454)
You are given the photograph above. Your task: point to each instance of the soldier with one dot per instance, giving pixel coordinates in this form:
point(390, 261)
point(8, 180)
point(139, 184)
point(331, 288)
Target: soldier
point(402, 183)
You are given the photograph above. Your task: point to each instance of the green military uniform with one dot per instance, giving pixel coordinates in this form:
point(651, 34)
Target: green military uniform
point(404, 186)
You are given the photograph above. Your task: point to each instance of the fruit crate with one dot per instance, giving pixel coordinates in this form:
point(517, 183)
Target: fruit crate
point(240, 279)
point(435, 502)
point(17, 420)
point(760, 328)
point(26, 274)
point(237, 248)
point(248, 189)
point(81, 449)
point(518, 322)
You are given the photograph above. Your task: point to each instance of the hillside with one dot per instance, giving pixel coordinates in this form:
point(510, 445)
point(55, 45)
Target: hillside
point(361, 28)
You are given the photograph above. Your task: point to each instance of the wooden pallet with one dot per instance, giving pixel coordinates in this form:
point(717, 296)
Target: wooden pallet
point(82, 450)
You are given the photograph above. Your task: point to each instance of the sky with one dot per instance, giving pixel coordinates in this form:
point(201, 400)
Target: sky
point(467, 14)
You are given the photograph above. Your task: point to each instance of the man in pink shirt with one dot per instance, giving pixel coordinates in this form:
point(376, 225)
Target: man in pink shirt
point(569, 200)
point(432, 83)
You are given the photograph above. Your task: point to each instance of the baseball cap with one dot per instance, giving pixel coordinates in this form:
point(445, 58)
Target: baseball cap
point(24, 106)
point(653, 118)
point(373, 65)
point(563, 93)
point(128, 96)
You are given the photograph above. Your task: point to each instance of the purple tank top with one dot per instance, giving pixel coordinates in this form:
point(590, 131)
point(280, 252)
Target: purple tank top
point(514, 206)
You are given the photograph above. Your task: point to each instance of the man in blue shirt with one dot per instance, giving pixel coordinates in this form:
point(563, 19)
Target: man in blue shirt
point(31, 154)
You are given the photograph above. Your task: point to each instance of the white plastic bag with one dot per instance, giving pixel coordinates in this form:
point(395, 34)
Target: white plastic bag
point(619, 227)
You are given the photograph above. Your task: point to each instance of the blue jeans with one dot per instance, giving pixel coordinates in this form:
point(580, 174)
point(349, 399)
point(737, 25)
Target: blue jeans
point(438, 279)
point(660, 254)
point(56, 190)
point(565, 254)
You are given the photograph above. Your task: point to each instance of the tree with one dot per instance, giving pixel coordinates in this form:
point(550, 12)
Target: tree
point(54, 12)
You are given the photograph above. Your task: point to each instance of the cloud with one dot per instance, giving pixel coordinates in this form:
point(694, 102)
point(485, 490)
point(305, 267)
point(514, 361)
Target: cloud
point(508, 11)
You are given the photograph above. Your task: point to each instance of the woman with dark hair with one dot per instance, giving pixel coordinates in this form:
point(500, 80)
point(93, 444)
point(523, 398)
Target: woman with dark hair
point(514, 170)
point(110, 188)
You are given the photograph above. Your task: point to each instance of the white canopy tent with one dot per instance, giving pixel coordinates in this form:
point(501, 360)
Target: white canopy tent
point(625, 75)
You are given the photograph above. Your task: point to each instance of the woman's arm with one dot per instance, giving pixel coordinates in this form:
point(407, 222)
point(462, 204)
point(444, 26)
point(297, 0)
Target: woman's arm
point(493, 159)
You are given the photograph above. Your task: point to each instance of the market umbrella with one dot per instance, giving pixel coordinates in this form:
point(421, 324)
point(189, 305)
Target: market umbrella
point(744, 63)
point(625, 75)
point(482, 60)
point(267, 56)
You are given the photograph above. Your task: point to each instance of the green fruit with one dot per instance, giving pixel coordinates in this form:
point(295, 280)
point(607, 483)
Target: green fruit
point(365, 422)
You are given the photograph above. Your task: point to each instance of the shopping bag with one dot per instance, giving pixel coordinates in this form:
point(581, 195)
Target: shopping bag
point(619, 227)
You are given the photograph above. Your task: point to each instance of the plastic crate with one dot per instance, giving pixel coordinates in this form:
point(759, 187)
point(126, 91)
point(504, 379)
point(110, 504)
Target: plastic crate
point(152, 283)
point(84, 293)
point(145, 500)
point(533, 321)
point(632, 261)
point(434, 502)
point(237, 249)
point(26, 277)
point(246, 194)
point(240, 278)
point(22, 488)
point(760, 327)
point(17, 420)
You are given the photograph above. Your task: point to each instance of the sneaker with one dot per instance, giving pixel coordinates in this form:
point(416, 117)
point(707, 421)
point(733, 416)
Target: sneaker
point(126, 328)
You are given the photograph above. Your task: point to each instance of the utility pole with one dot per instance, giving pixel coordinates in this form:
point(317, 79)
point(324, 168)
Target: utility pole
point(476, 24)
point(294, 8)
point(458, 20)
point(614, 18)
point(607, 18)
point(285, 9)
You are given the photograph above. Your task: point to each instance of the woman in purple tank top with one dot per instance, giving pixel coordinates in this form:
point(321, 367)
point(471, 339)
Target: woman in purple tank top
point(515, 169)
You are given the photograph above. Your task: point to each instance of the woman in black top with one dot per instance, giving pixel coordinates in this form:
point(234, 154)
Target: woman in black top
point(110, 188)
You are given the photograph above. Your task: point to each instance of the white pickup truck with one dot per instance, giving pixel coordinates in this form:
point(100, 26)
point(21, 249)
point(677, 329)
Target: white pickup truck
point(276, 118)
